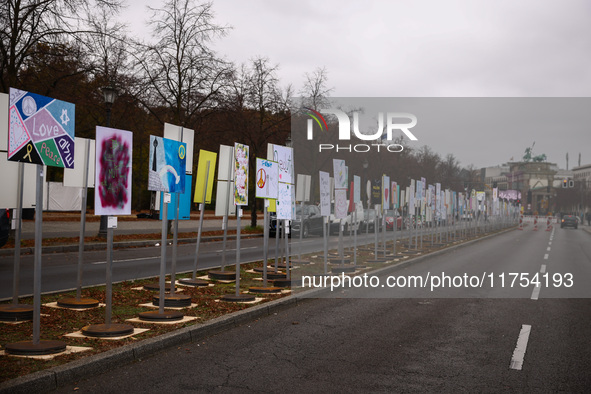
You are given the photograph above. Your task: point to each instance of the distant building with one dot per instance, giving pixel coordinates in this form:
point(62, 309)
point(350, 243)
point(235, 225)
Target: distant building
point(535, 181)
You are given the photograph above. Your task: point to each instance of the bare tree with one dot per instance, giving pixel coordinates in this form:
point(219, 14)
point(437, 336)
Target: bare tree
point(258, 112)
point(180, 71)
point(315, 92)
point(26, 24)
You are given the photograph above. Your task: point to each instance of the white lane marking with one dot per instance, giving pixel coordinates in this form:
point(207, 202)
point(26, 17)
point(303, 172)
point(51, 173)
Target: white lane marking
point(543, 269)
point(124, 260)
point(550, 243)
point(535, 294)
point(546, 256)
point(548, 249)
point(519, 352)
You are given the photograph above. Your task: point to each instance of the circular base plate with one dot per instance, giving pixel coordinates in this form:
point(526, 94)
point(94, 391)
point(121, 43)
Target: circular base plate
point(156, 287)
point(222, 275)
point(343, 269)
point(82, 303)
point(286, 282)
point(27, 348)
point(107, 330)
point(276, 275)
point(374, 261)
point(266, 290)
point(238, 298)
point(18, 312)
point(165, 316)
point(175, 301)
point(338, 261)
point(194, 282)
point(411, 252)
point(260, 269)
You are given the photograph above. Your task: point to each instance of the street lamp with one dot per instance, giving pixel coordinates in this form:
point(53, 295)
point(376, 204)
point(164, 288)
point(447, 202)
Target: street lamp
point(109, 94)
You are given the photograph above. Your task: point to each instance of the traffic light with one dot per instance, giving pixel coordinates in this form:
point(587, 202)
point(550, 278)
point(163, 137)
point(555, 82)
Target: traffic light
point(564, 183)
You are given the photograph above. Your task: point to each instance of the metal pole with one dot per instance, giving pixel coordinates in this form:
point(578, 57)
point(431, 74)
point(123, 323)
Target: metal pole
point(238, 214)
point(83, 220)
point(265, 241)
point(109, 290)
point(37, 267)
point(163, 255)
point(355, 238)
point(175, 236)
point(202, 212)
point(225, 220)
point(301, 231)
point(17, 236)
point(325, 221)
point(285, 227)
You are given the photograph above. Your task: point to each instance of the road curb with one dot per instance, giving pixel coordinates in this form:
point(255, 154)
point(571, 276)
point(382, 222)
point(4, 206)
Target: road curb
point(55, 377)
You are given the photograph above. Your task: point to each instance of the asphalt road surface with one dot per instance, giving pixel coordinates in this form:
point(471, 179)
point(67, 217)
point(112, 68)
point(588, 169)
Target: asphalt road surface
point(485, 339)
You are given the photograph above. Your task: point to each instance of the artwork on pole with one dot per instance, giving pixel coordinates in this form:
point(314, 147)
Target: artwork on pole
point(41, 130)
point(240, 174)
point(303, 184)
point(356, 189)
point(340, 174)
point(267, 179)
point(283, 155)
point(167, 165)
point(340, 203)
point(185, 135)
point(324, 193)
point(112, 191)
point(394, 195)
point(204, 157)
point(386, 192)
point(74, 177)
point(284, 201)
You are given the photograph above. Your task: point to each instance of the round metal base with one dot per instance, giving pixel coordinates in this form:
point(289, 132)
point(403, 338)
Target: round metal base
point(265, 290)
point(18, 312)
point(27, 348)
point(411, 252)
point(338, 261)
point(343, 269)
point(156, 287)
point(160, 317)
point(194, 282)
point(281, 266)
point(175, 301)
point(276, 275)
point(73, 303)
point(107, 330)
point(374, 261)
point(287, 282)
point(222, 275)
point(238, 298)
point(260, 269)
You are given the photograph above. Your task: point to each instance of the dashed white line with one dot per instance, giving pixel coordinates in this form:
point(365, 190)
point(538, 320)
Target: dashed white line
point(535, 293)
point(548, 249)
point(546, 256)
point(519, 352)
point(543, 269)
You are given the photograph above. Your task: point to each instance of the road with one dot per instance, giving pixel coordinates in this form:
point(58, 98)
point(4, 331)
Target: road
point(59, 269)
point(492, 340)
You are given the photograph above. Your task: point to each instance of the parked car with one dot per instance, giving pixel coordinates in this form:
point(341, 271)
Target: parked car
point(4, 226)
point(569, 221)
point(312, 222)
point(390, 214)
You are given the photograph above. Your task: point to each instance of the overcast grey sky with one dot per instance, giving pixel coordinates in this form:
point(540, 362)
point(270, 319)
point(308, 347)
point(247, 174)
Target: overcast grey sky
point(426, 48)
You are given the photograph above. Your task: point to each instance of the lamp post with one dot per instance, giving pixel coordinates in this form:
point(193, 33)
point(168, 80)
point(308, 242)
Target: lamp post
point(109, 94)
